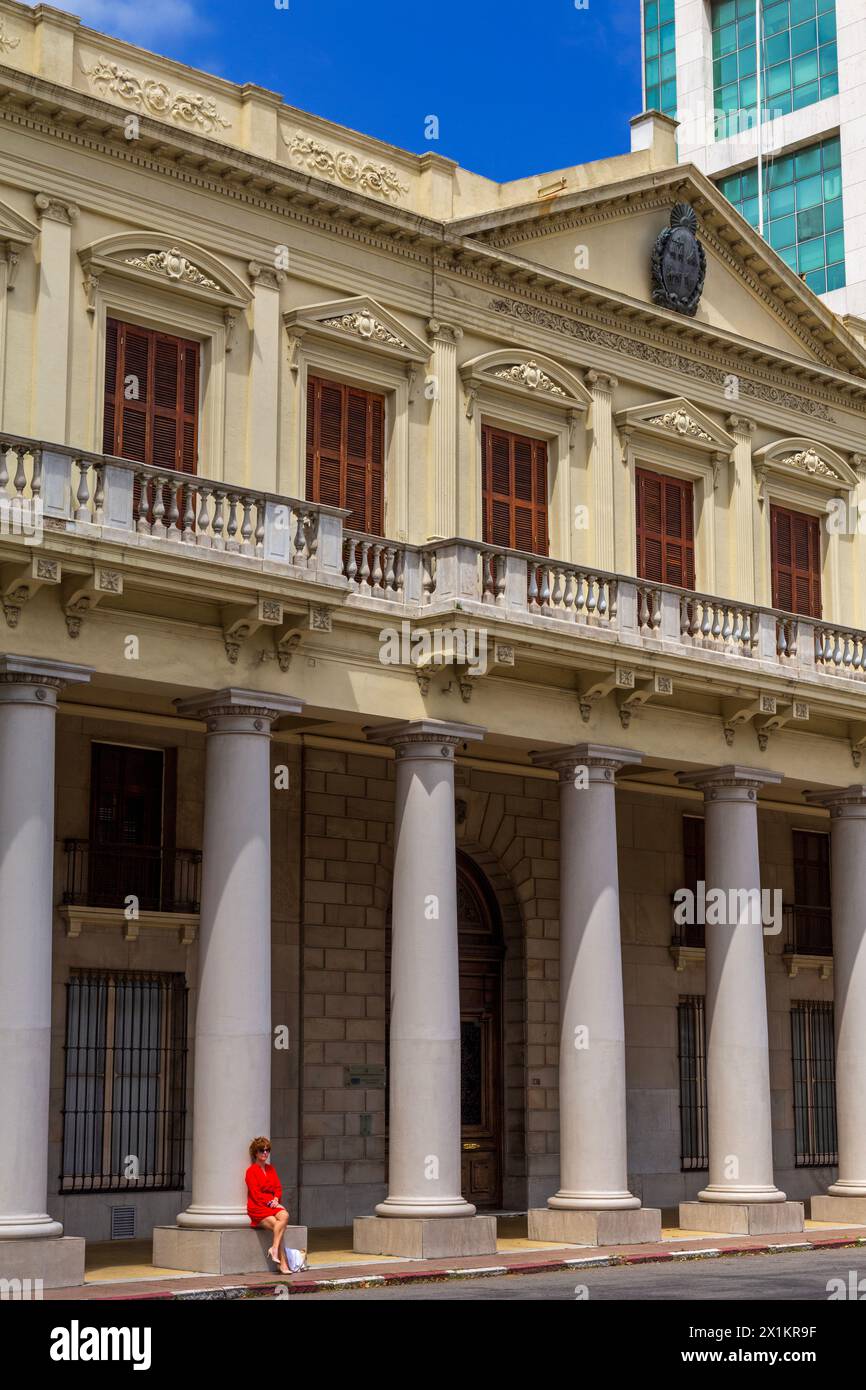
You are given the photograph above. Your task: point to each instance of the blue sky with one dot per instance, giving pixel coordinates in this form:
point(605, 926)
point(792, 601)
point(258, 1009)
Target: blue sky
point(518, 86)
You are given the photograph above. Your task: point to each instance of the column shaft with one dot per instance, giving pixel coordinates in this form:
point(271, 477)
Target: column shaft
point(602, 469)
point(443, 433)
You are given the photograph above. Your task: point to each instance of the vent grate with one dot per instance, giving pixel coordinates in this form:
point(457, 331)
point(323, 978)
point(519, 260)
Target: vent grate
point(122, 1223)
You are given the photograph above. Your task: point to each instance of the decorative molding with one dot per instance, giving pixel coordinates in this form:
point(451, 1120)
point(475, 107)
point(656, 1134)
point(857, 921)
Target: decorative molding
point(364, 325)
point(7, 43)
point(267, 276)
point(360, 319)
point(809, 461)
point(529, 374)
point(664, 358)
point(803, 460)
point(156, 98)
point(55, 209)
point(174, 265)
point(680, 422)
point(533, 376)
point(343, 166)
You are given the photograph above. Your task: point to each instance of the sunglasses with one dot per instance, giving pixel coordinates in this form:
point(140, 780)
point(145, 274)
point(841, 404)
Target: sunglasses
point(262, 1151)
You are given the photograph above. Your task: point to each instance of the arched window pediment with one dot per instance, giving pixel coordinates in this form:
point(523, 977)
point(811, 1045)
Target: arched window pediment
point(522, 372)
point(153, 259)
point(803, 462)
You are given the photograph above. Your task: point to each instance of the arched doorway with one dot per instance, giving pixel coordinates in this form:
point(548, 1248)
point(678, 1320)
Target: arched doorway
point(482, 951)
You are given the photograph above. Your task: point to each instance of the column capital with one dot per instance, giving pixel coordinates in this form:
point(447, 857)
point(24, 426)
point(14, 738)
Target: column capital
point(849, 802)
point(444, 332)
point(602, 761)
point(742, 424)
point(602, 381)
point(424, 738)
point(35, 681)
point(55, 209)
point(733, 782)
point(265, 276)
point(238, 711)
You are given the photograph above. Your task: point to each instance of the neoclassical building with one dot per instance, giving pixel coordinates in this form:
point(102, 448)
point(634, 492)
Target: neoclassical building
point(415, 589)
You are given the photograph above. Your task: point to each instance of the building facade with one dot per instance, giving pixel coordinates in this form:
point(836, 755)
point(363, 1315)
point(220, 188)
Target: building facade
point(700, 67)
point(404, 607)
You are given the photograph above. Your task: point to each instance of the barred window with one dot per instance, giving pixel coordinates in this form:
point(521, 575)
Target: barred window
point(692, 1032)
point(124, 1109)
point(813, 1056)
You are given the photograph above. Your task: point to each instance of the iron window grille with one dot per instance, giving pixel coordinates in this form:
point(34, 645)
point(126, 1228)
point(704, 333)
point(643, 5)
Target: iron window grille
point(813, 1057)
point(692, 1034)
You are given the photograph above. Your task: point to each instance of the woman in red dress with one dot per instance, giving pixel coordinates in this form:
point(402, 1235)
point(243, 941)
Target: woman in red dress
point(263, 1200)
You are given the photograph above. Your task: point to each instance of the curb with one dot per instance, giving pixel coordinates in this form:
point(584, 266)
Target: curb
point(432, 1276)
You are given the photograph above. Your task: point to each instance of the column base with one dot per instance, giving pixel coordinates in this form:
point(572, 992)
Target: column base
point(57, 1261)
point(742, 1218)
point(598, 1227)
point(425, 1238)
point(220, 1251)
point(842, 1209)
point(214, 1219)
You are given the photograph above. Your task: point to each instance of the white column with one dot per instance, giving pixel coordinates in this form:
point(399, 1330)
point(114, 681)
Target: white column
point(263, 396)
point(602, 469)
point(424, 1177)
point(741, 544)
point(28, 706)
point(738, 1058)
point(592, 1097)
point(848, 897)
point(53, 305)
point(232, 1075)
point(443, 430)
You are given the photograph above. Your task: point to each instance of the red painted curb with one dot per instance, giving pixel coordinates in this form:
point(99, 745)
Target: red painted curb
point(651, 1259)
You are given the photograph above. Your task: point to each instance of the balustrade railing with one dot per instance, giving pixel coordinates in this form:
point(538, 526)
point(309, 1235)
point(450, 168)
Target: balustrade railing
point(710, 622)
point(808, 930)
point(840, 649)
point(567, 591)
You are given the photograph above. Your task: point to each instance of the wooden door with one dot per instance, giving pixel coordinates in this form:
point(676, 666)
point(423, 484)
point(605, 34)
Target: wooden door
point(126, 825)
point(481, 1081)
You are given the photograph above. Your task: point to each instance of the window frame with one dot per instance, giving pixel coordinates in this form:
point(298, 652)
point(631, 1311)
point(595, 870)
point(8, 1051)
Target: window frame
point(535, 506)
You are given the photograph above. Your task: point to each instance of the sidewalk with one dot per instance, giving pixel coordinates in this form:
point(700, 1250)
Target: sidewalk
point(125, 1273)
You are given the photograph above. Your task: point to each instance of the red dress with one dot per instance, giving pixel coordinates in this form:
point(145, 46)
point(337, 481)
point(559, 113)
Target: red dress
point(262, 1185)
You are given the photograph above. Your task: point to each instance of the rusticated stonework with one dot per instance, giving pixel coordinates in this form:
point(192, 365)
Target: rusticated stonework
point(156, 98)
point(344, 166)
point(174, 265)
point(660, 357)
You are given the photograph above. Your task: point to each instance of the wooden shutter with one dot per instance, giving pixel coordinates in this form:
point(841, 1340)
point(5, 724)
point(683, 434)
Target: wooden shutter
point(514, 491)
point(151, 397)
point(811, 868)
point(346, 452)
point(795, 543)
point(665, 529)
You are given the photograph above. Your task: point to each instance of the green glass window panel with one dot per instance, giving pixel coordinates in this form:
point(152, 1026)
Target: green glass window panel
point(807, 162)
point(749, 209)
point(801, 9)
point(749, 183)
point(810, 223)
point(652, 98)
point(728, 98)
point(804, 37)
point(833, 184)
point(747, 61)
point(782, 201)
point(652, 72)
point(829, 86)
point(805, 69)
point(728, 71)
point(805, 96)
point(727, 40)
point(810, 193)
point(669, 95)
point(781, 171)
point(668, 66)
point(730, 187)
point(817, 281)
point(668, 38)
point(835, 247)
point(776, 19)
point(824, 5)
point(829, 61)
point(827, 27)
point(782, 232)
point(781, 106)
point(723, 13)
point(779, 79)
point(789, 256)
point(745, 32)
point(666, 11)
point(810, 254)
point(831, 153)
point(651, 14)
point(836, 276)
point(651, 48)
point(749, 93)
point(778, 48)
point(833, 215)
point(745, 7)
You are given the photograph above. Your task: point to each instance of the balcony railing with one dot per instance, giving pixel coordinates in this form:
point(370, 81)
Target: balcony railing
point(97, 496)
point(103, 875)
point(808, 930)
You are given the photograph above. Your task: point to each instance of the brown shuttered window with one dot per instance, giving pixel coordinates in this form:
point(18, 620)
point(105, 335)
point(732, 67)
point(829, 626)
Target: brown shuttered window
point(346, 452)
point(796, 560)
point(151, 397)
point(514, 493)
point(665, 529)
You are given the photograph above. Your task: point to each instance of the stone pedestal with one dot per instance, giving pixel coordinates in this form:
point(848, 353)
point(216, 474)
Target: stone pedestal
point(848, 1211)
point(58, 1261)
point(742, 1218)
point(221, 1251)
point(601, 1227)
point(418, 1238)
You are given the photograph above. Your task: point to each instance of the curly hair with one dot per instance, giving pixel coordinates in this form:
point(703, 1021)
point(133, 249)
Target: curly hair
point(262, 1142)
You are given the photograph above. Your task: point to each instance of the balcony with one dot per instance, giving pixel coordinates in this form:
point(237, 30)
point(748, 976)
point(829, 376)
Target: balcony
point(97, 497)
point(808, 939)
point(131, 886)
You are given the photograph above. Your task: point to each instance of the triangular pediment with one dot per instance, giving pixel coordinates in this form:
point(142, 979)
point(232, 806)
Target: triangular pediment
point(15, 230)
point(676, 420)
point(604, 237)
point(361, 320)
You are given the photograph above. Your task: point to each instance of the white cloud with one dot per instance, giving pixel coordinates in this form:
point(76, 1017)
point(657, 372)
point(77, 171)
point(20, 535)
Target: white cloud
point(144, 22)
